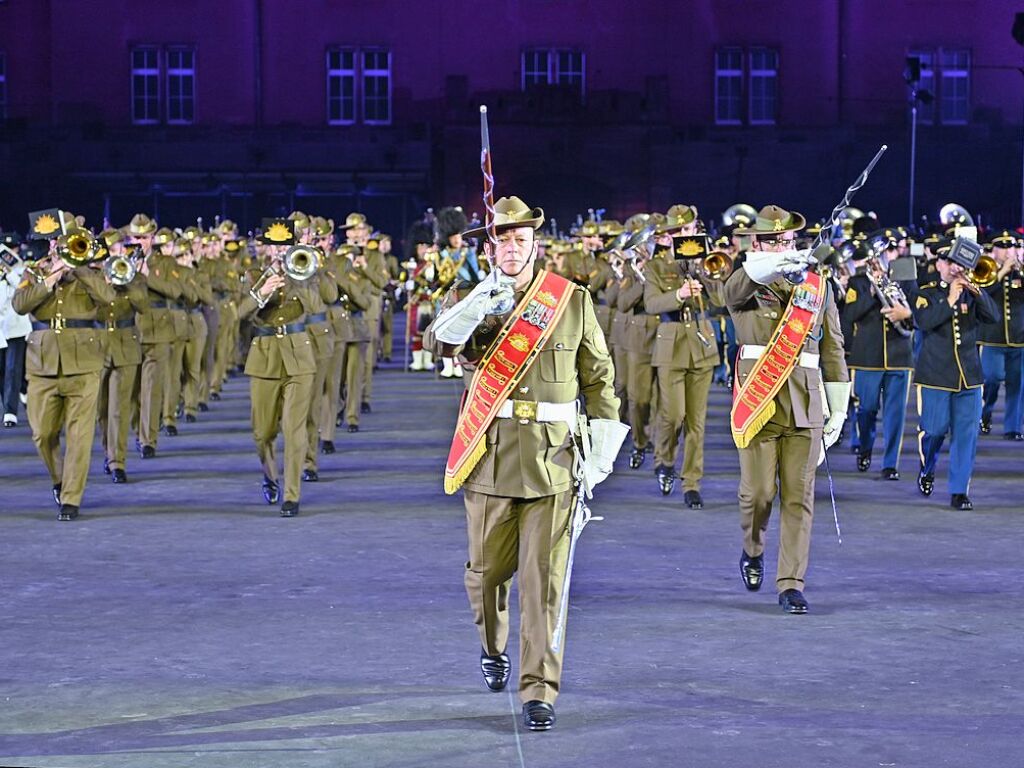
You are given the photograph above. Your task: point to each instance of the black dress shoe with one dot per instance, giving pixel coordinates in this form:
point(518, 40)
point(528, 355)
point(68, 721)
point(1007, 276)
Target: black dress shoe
point(863, 462)
point(148, 452)
point(666, 479)
point(271, 491)
point(538, 716)
point(326, 446)
point(310, 475)
point(986, 425)
point(925, 483)
point(106, 466)
point(365, 408)
point(636, 458)
point(1013, 436)
point(213, 396)
point(890, 473)
point(792, 601)
point(56, 494)
point(290, 509)
point(339, 419)
point(693, 500)
point(497, 670)
point(190, 418)
point(119, 476)
point(204, 407)
point(170, 430)
point(961, 502)
point(353, 427)
point(752, 571)
point(67, 512)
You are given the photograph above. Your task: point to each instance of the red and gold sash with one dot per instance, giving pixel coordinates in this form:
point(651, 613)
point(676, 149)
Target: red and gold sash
point(500, 370)
point(754, 404)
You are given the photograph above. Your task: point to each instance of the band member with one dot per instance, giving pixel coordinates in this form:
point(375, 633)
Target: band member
point(880, 355)
point(64, 358)
point(123, 356)
point(638, 341)
point(948, 311)
point(1002, 356)
point(374, 269)
point(420, 287)
point(778, 419)
point(391, 302)
point(456, 261)
point(519, 491)
point(157, 327)
point(684, 356)
point(280, 366)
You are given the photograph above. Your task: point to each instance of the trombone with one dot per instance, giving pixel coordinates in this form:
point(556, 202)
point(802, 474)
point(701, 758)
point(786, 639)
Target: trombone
point(985, 272)
point(300, 262)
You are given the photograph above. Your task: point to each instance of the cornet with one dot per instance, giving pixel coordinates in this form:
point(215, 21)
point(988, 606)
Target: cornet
point(119, 270)
point(78, 247)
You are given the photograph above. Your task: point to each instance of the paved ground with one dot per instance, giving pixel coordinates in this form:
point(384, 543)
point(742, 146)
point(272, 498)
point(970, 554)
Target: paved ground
point(180, 622)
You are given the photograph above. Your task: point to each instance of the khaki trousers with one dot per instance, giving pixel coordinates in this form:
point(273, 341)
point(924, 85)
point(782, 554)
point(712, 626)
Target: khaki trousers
point(114, 407)
point(620, 359)
point(639, 391)
point(212, 315)
point(317, 400)
point(683, 401)
point(224, 348)
point(281, 405)
point(68, 403)
point(346, 370)
point(155, 359)
point(370, 352)
point(172, 382)
point(780, 460)
point(192, 367)
point(387, 344)
point(529, 536)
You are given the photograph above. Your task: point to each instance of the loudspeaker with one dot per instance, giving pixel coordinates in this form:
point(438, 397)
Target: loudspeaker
point(1018, 28)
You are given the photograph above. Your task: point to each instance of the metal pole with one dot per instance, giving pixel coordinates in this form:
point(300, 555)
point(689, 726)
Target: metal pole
point(913, 156)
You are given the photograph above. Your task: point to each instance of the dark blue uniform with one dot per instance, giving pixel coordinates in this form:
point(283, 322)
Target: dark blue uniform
point(881, 358)
point(949, 377)
point(1002, 354)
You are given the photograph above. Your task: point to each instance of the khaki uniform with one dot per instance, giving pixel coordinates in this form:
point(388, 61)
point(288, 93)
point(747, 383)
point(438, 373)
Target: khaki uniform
point(63, 366)
point(387, 318)
point(782, 458)
point(184, 343)
point(281, 366)
point(350, 336)
point(518, 498)
point(637, 331)
point(323, 293)
point(159, 333)
point(211, 313)
point(227, 288)
point(684, 355)
point(195, 347)
point(377, 275)
point(121, 368)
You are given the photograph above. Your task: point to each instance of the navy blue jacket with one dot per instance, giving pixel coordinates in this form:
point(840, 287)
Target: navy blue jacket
point(874, 343)
point(1008, 330)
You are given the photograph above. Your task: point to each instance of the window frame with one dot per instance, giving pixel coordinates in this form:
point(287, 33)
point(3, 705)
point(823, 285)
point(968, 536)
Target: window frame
point(342, 74)
point(376, 72)
point(949, 75)
point(724, 73)
point(145, 72)
point(181, 73)
point(552, 73)
point(766, 75)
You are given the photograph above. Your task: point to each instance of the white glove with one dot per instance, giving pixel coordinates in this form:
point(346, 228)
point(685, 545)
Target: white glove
point(456, 324)
point(410, 285)
point(606, 437)
point(765, 267)
point(837, 397)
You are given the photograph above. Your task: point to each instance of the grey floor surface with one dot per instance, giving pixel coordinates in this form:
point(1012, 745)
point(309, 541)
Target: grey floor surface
point(180, 622)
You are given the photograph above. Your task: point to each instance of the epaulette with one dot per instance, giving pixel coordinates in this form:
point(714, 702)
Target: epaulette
point(932, 284)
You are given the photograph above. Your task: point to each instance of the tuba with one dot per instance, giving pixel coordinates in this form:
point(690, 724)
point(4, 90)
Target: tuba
point(740, 213)
point(955, 215)
point(119, 270)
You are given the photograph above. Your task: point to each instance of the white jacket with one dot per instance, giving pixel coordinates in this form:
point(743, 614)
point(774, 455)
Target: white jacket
point(12, 325)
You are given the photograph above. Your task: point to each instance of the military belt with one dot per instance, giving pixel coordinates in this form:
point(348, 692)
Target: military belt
point(530, 410)
point(158, 305)
point(58, 323)
point(319, 317)
point(279, 330)
point(179, 305)
point(124, 322)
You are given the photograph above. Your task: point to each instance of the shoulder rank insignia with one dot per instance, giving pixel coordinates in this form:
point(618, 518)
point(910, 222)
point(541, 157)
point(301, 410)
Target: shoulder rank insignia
point(921, 302)
point(851, 295)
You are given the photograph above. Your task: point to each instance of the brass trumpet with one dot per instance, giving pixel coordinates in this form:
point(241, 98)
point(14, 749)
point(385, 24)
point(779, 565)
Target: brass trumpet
point(717, 265)
point(985, 272)
point(78, 247)
point(302, 261)
point(119, 270)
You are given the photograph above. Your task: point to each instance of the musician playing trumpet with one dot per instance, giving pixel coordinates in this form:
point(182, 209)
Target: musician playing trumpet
point(879, 350)
point(949, 310)
point(123, 353)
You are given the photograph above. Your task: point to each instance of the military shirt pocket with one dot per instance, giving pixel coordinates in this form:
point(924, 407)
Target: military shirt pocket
point(558, 362)
point(664, 345)
point(557, 454)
